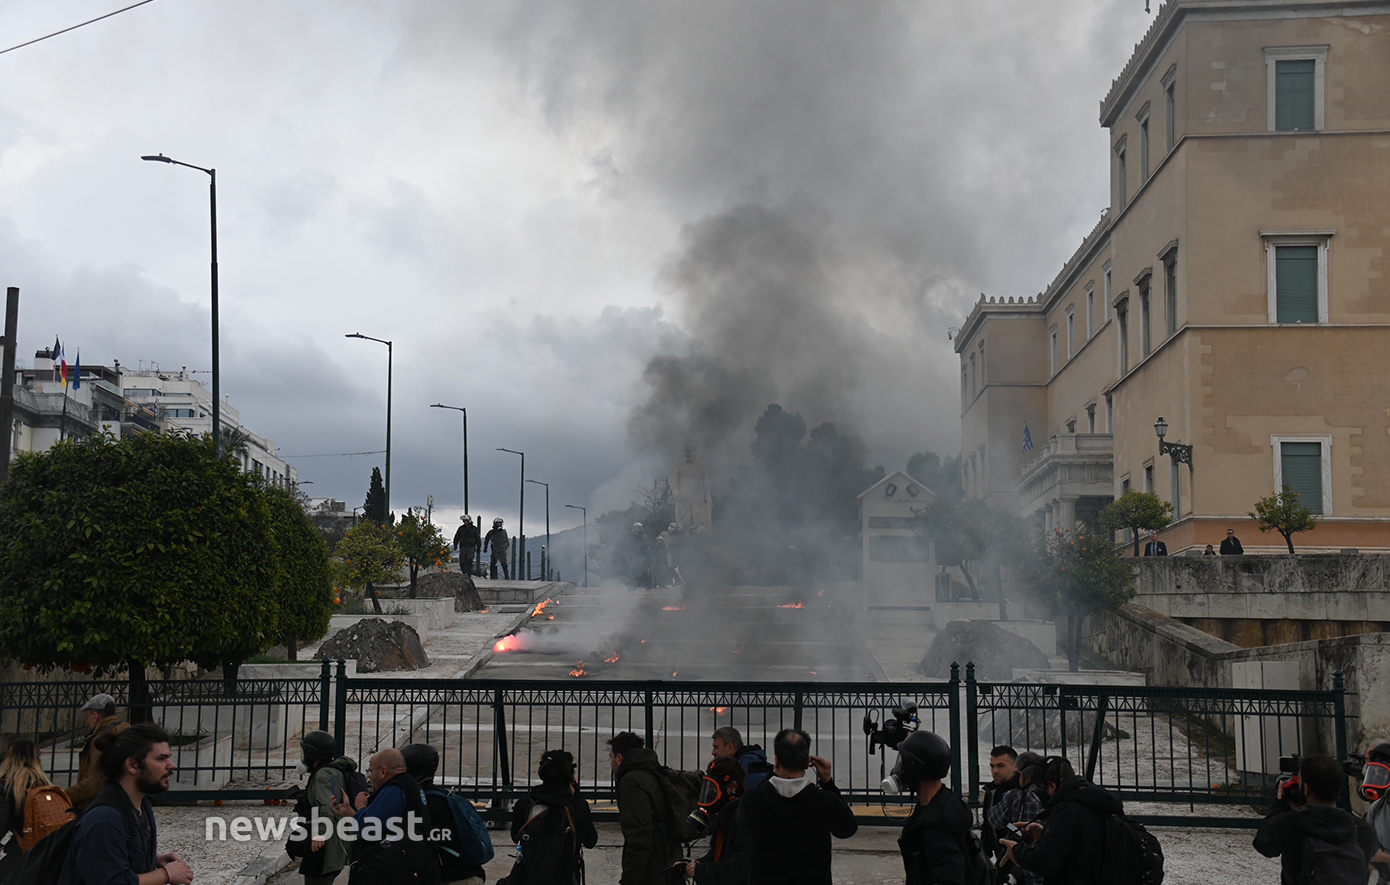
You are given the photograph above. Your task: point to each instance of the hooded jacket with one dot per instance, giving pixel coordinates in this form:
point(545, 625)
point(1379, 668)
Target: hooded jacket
point(1072, 848)
point(789, 823)
point(1284, 831)
point(933, 841)
point(726, 862)
point(642, 814)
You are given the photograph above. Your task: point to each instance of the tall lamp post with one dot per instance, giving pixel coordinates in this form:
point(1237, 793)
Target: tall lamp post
point(585, 511)
point(548, 552)
point(1179, 453)
point(389, 357)
point(216, 372)
point(521, 517)
point(465, 449)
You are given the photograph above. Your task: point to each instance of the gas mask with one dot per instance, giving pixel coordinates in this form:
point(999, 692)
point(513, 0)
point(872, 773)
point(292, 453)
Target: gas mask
point(1375, 781)
point(713, 797)
point(897, 780)
point(301, 768)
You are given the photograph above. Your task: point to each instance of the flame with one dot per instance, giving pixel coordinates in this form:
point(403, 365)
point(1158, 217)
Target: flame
point(613, 660)
point(820, 593)
point(673, 608)
point(579, 670)
point(674, 674)
point(483, 611)
point(550, 618)
point(540, 607)
point(797, 604)
point(739, 650)
point(719, 711)
point(814, 673)
point(521, 641)
point(644, 642)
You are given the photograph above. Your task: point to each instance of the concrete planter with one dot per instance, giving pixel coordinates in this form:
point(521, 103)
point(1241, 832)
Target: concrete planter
point(437, 612)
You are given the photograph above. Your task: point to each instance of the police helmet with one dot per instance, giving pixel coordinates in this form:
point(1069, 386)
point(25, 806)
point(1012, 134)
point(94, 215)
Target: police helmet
point(923, 755)
point(497, 523)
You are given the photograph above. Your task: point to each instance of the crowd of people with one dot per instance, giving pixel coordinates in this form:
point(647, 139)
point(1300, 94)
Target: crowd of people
point(764, 822)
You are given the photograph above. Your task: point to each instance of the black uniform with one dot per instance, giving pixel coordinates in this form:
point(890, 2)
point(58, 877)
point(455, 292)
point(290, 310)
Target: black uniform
point(466, 540)
point(499, 544)
point(933, 842)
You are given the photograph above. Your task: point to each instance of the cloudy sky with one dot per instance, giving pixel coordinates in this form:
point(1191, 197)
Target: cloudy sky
point(604, 227)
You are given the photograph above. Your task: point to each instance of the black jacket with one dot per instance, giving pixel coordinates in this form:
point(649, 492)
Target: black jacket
point(933, 842)
point(642, 814)
point(789, 838)
point(994, 794)
point(1284, 830)
point(1072, 848)
point(726, 862)
point(556, 796)
point(1231, 547)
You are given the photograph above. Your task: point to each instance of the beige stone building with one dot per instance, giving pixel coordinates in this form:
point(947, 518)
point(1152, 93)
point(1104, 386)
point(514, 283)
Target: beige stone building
point(1236, 287)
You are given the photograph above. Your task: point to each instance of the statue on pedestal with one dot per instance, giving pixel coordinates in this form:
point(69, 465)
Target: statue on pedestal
point(690, 488)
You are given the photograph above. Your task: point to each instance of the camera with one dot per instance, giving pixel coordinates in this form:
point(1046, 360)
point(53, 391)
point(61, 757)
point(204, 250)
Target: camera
point(675, 873)
point(1288, 779)
point(1016, 833)
point(903, 723)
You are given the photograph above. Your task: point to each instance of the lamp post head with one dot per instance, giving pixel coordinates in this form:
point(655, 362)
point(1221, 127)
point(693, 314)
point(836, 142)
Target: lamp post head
point(1161, 428)
point(157, 158)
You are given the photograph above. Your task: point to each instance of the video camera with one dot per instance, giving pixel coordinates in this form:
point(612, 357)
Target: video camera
point(903, 723)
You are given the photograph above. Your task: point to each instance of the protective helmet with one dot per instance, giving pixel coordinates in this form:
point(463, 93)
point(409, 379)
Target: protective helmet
point(497, 523)
point(673, 528)
point(466, 518)
point(922, 755)
point(637, 526)
point(318, 746)
point(421, 760)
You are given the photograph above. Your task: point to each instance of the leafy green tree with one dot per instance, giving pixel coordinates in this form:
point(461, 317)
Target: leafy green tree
point(1284, 514)
point(1138, 512)
point(422, 543)
point(1075, 573)
point(233, 444)
point(304, 582)
point(369, 554)
point(376, 508)
point(133, 553)
point(970, 535)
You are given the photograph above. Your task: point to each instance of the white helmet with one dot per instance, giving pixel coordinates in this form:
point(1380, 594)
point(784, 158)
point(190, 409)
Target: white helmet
point(497, 523)
point(637, 526)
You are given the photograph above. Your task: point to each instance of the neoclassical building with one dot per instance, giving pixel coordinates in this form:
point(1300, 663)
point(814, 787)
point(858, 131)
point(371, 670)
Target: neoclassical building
point(1235, 288)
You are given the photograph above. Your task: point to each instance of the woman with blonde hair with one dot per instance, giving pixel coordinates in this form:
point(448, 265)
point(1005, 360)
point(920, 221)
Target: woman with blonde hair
point(20, 772)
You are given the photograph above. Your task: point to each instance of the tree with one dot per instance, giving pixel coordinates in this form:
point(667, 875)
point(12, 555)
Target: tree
point(368, 555)
point(376, 508)
point(1075, 573)
point(1138, 512)
point(1283, 513)
point(968, 533)
point(304, 583)
point(421, 543)
point(133, 553)
point(233, 444)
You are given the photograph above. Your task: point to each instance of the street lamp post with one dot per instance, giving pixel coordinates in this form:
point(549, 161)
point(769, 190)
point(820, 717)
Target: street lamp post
point(1179, 453)
point(465, 449)
point(545, 576)
point(521, 517)
point(216, 371)
point(389, 358)
point(585, 511)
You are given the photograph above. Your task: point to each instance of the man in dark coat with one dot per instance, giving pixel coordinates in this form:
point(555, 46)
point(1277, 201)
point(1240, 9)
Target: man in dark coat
point(790, 817)
point(642, 811)
point(1294, 820)
point(100, 712)
point(466, 540)
point(1068, 846)
point(1231, 546)
point(933, 841)
point(1155, 547)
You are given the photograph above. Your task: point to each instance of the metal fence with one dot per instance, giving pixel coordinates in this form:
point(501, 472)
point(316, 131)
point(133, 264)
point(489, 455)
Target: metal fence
point(1186, 748)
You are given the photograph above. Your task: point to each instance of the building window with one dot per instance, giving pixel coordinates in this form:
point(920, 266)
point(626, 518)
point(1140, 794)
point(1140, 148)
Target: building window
point(1297, 270)
point(1120, 174)
point(964, 388)
point(1294, 87)
point(1122, 314)
point(1071, 332)
point(1090, 309)
point(1170, 294)
point(1304, 464)
point(1124, 485)
point(1091, 418)
point(1143, 281)
point(983, 377)
point(1149, 478)
point(1109, 291)
point(1071, 425)
point(1143, 118)
point(1053, 334)
point(1175, 488)
point(974, 386)
point(1109, 413)
point(1171, 107)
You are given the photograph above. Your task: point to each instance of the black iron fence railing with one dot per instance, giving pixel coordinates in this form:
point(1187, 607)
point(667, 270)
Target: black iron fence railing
point(1189, 750)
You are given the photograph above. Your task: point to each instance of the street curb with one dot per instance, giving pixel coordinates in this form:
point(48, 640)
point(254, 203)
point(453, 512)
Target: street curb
point(258, 871)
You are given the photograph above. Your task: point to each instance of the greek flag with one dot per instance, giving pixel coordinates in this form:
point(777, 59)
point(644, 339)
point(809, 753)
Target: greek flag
point(1027, 438)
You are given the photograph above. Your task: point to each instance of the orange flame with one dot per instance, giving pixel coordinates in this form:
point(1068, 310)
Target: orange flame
point(814, 673)
point(483, 611)
point(612, 660)
point(644, 642)
point(674, 674)
point(540, 607)
point(797, 604)
point(514, 642)
point(673, 608)
point(719, 711)
point(550, 618)
point(579, 670)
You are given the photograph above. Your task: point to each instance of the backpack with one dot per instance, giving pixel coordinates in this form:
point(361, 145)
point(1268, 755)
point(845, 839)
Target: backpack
point(470, 840)
point(1132, 855)
point(1332, 863)
point(548, 850)
point(44, 864)
point(45, 809)
point(978, 869)
point(682, 792)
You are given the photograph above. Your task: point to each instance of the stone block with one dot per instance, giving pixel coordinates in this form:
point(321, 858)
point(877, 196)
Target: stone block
point(1345, 606)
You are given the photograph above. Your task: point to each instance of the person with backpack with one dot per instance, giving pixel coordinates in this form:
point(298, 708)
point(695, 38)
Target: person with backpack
point(726, 862)
point(936, 839)
point(790, 817)
point(392, 825)
point(115, 840)
point(726, 741)
point(460, 838)
point(31, 806)
point(1068, 845)
point(330, 777)
point(552, 827)
point(650, 844)
point(1314, 839)
point(100, 713)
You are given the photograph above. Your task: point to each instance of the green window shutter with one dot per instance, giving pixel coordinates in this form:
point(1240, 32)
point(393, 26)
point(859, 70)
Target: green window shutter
point(1301, 467)
point(1296, 284)
point(1293, 94)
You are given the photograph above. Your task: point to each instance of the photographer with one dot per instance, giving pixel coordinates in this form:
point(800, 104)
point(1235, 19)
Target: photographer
point(1314, 839)
point(933, 839)
point(1375, 779)
point(1068, 846)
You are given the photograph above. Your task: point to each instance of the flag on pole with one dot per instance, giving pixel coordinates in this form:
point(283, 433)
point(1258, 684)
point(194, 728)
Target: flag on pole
point(1027, 438)
point(56, 347)
point(77, 372)
point(63, 366)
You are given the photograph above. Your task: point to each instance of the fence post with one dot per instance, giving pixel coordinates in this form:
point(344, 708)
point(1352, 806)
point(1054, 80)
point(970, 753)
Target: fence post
point(340, 708)
point(499, 723)
point(647, 705)
point(325, 689)
point(956, 778)
point(1094, 755)
point(1339, 725)
point(798, 706)
point(972, 733)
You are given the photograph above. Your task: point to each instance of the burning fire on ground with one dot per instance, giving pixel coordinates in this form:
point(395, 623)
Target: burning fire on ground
point(797, 604)
point(612, 660)
point(515, 642)
point(540, 607)
point(579, 670)
point(673, 608)
point(719, 711)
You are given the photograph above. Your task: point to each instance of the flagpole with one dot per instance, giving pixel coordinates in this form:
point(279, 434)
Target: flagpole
point(63, 427)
